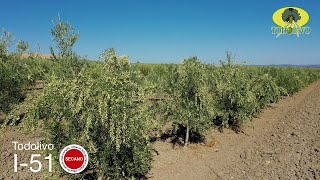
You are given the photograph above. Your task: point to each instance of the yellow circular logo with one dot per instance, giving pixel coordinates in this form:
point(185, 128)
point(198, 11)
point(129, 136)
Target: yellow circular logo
point(288, 15)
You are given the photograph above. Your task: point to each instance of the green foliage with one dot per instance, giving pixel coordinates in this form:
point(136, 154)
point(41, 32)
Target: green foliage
point(64, 37)
point(105, 112)
point(108, 54)
point(189, 103)
point(290, 78)
point(18, 75)
point(234, 98)
point(266, 90)
point(313, 74)
point(22, 46)
point(13, 79)
point(6, 39)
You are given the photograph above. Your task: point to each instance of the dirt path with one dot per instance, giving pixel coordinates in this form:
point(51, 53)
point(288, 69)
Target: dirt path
point(15, 134)
point(283, 142)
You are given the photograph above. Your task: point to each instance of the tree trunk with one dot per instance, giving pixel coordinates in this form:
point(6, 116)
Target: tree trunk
point(186, 141)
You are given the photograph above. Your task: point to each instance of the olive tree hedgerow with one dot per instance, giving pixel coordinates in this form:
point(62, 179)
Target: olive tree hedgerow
point(240, 94)
point(105, 113)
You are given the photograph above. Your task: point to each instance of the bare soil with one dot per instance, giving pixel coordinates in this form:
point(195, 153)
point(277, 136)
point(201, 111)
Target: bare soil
point(283, 142)
point(11, 134)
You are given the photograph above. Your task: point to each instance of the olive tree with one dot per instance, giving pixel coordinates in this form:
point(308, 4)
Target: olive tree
point(6, 40)
point(64, 37)
point(190, 102)
point(22, 46)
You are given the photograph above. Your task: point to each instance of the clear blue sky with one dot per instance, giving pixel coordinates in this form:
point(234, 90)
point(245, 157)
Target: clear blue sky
point(162, 31)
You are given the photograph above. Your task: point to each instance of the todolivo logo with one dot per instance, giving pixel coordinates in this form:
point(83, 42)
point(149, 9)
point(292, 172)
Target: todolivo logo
point(74, 159)
point(290, 20)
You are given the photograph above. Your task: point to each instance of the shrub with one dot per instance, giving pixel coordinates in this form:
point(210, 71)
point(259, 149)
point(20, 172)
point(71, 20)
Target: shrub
point(234, 98)
point(266, 90)
point(14, 77)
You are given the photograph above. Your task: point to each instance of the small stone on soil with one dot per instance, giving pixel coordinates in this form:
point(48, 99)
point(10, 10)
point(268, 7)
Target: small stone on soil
point(268, 162)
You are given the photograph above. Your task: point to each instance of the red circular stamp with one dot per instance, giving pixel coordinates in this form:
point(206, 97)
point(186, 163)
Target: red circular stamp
point(74, 159)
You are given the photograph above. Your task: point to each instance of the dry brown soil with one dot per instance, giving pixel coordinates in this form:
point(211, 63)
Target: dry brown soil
point(12, 134)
